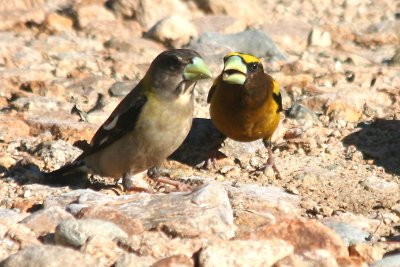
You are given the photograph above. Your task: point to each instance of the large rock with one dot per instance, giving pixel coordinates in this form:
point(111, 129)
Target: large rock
point(173, 31)
point(205, 211)
point(213, 46)
point(55, 256)
point(244, 253)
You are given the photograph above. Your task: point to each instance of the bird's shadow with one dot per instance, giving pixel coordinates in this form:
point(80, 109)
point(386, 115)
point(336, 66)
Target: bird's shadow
point(202, 142)
point(378, 140)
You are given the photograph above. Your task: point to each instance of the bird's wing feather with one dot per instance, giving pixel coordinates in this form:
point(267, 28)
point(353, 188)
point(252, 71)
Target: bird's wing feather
point(121, 121)
point(278, 99)
point(276, 95)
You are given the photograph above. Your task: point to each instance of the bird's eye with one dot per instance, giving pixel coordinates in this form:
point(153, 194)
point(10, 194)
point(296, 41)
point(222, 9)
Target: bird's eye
point(253, 66)
point(173, 63)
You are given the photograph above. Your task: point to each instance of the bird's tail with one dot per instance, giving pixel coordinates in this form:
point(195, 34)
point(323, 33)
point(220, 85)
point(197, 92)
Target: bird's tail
point(67, 174)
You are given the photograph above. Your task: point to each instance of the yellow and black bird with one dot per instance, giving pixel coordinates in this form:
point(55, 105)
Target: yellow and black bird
point(245, 102)
point(148, 125)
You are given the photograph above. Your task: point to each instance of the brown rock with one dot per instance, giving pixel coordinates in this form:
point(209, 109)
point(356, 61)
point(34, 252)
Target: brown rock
point(158, 245)
point(55, 22)
point(14, 237)
point(304, 235)
point(105, 251)
point(61, 126)
point(12, 128)
point(130, 225)
point(244, 253)
point(86, 14)
point(46, 220)
point(319, 258)
point(175, 261)
point(248, 220)
point(174, 31)
point(367, 252)
point(17, 17)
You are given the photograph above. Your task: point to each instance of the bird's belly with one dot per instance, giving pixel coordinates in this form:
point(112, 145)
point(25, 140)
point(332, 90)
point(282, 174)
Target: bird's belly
point(149, 144)
point(245, 126)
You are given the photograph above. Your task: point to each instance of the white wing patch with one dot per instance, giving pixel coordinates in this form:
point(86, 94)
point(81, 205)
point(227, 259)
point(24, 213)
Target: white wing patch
point(111, 125)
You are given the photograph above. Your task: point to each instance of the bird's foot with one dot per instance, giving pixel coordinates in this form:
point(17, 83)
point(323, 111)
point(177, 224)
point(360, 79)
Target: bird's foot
point(212, 161)
point(271, 165)
point(156, 174)
point(179, 186)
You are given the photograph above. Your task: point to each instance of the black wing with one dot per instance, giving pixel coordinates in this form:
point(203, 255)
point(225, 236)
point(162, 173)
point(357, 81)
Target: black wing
point(121, 121)
point(278, 99)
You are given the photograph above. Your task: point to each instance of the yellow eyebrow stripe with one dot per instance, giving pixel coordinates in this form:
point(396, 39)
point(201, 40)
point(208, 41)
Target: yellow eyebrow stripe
point(246, 57)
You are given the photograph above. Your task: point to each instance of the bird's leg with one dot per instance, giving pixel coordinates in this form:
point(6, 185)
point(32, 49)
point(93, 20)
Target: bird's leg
point(211, 162)
point(270, 161)
point(155, 173)
point(128, 186)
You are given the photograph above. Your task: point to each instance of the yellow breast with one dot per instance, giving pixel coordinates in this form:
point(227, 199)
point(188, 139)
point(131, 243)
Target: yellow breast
point(242, 123)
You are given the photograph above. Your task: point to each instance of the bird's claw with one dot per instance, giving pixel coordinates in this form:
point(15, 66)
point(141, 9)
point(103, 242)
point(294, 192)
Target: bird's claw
point(179, 187)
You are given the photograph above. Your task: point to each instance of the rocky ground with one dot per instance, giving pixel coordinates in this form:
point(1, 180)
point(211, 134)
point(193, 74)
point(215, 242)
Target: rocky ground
point(65, 65)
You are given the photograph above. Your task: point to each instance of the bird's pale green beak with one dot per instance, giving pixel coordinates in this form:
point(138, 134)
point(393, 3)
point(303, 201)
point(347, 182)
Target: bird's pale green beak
point(197, 70)
point(234, 71)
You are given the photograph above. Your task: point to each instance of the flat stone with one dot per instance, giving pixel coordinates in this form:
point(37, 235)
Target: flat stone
point(175, 212)
point(64, 199)
point(76, 232)
point(260, 198)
